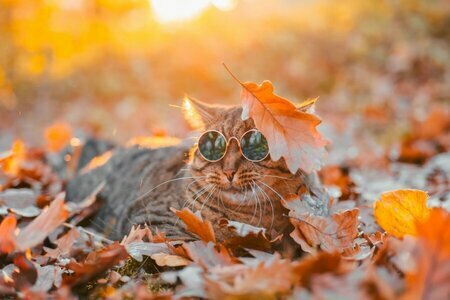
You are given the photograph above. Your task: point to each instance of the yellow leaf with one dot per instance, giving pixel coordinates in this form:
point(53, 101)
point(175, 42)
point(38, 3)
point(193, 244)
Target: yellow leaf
point(398, 211)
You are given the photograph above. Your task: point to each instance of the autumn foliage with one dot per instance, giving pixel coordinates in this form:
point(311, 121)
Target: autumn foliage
point(111, 70)
point(398, 247)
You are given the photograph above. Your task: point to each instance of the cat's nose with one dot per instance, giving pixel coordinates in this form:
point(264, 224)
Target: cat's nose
point(230, 174)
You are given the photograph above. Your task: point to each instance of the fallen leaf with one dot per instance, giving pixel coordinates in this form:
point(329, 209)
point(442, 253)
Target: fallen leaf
point(196, 224)
point(47, 277)
point(95, 264)
point(265, 280)
point(246, 236)
point(142, 233)
point(169, 260)
point(290, 133)
point(321, 263)
point(137, 249)
point(63, 245)
point(398, 211)
point(26, 274)
point(7, 237)
point(43, 225)
point(430, 277)
point(208, 255)
point(11, 164)
point(332, 233)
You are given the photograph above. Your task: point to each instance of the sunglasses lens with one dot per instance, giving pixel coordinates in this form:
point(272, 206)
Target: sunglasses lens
point(254, 146)
point(212, 145)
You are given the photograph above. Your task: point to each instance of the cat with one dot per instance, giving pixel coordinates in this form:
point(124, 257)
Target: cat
point(141, 185)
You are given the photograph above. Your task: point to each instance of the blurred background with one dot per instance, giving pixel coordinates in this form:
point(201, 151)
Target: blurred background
point(117, 69)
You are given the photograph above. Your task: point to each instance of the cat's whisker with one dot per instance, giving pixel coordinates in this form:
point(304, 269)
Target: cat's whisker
point(214, 189)
point(237, 209)
point(189, 185)
point(196, 195)
point(271, 206)
point(268, 186)
point(165, 182)
point(282, 178)
point(221, 199)
point(246, 188)
point(256, 204)
point(142, 197)
point(260, 206)
point(275, 176)
point(200, 193)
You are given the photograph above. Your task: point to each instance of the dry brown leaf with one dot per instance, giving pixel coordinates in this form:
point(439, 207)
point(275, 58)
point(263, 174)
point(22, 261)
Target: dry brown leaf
point(246, 236)
point(398, 211)
point(43, 225)
point(290, 133)
point(95, 263)
point(265, 280)
point(196, 225)
point(63, 244)
point(321, 263)
point(137, 250)
point(331, 233)
point(208, 255)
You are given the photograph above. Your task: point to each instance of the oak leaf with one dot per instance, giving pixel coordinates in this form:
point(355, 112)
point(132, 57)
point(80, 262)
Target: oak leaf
point(398, 211)
point(196, 225)
point(290, 133)
point(329, 232)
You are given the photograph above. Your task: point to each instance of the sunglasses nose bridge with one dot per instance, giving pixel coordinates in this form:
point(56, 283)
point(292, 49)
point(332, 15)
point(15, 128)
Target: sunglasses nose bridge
point(233, 138)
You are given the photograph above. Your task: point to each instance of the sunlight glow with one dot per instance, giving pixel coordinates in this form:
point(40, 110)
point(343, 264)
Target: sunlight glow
point(181, 10)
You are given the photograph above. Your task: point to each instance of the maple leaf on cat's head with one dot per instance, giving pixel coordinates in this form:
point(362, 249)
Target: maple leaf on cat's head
point(290, 131)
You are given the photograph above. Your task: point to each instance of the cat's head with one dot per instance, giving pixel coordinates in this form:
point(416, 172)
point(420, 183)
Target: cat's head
point(237, 178)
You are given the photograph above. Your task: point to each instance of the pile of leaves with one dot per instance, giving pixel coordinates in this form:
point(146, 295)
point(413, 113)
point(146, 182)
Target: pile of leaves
point(394, 245)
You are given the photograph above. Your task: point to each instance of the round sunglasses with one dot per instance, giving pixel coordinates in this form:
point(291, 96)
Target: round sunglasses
point(213, 145)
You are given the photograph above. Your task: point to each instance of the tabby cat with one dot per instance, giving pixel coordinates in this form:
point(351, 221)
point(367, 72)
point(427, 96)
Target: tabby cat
point(237, 184)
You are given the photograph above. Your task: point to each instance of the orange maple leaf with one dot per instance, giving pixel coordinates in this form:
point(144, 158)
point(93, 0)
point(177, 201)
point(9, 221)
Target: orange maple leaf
point(290, 133)
point(398, 211)
point(196, 224)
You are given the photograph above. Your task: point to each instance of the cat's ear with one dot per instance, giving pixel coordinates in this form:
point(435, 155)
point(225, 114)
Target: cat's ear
point(308, 106)
point(199, 114)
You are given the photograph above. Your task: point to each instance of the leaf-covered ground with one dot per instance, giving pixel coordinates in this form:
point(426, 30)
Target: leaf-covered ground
point(387, 235)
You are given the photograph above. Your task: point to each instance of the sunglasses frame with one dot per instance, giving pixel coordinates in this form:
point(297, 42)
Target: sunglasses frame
point(228, 142)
